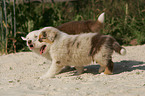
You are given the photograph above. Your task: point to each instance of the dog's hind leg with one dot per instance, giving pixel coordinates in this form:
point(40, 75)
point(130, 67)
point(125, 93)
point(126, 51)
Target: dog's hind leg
point(106, 66)
point(109, 68)
point(54, 69)
point(101, 69)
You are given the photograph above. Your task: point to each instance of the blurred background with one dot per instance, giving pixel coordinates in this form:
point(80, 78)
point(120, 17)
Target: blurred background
point(124, 19)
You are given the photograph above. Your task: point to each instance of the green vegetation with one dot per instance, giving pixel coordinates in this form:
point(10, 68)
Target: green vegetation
point(124, 20)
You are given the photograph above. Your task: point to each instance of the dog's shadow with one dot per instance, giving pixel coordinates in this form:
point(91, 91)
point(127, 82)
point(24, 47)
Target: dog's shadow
point(128, 66)
point(119, 67)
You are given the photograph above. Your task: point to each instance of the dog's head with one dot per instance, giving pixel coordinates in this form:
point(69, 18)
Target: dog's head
point(33, 43)
point(31, 38)
point(48, 35)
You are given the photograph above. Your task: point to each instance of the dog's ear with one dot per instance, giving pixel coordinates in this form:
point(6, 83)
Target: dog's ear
point(23, 38)
point(48, 36)
point(43, 37)
point(44, 34)
point(52, 35)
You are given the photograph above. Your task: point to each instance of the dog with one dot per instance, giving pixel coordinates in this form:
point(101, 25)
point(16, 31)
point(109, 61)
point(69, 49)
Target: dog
point(41, 49)
point(79, 50)
point(77, 27)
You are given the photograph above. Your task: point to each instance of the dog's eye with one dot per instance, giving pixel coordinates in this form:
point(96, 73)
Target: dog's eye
point(35, 36)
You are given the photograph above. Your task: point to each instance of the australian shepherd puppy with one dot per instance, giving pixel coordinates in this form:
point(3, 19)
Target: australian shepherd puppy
point(79, 50)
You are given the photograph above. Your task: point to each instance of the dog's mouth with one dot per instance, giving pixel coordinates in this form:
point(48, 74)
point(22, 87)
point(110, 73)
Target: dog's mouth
point(42, 49)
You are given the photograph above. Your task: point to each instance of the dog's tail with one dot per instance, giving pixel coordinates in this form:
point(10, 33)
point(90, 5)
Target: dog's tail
point(101, 18)
point(117, 48)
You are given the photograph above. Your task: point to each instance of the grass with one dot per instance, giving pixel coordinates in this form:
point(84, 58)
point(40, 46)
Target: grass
point(124, 20)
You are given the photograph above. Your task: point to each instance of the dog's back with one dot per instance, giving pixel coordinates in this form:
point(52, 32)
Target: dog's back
point(73, 49)
point(76, 27)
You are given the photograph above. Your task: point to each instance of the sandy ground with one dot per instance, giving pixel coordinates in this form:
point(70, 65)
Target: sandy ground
point(19, 77)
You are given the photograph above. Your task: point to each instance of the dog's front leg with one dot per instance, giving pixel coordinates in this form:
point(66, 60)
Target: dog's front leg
point(54, 69)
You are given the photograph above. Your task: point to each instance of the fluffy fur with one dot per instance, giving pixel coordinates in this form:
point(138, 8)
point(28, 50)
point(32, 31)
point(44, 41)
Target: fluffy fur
point(79, 50)
point(76, 27)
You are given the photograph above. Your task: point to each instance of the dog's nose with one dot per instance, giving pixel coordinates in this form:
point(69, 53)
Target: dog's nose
point(30, 41)
point(31, 45)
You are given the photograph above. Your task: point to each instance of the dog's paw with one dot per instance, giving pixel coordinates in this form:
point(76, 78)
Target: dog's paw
point(46, 76)
point(102, 73)
point(105, 73)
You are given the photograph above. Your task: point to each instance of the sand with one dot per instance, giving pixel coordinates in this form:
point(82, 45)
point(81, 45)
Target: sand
point(19, 76)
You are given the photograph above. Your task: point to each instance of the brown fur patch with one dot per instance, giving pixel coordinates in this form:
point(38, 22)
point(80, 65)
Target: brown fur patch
point(95, 26)
point(97, 41)
point(44, 34)
point(40, 38)
point(69, 46)
point(47, 41)
point(117, 47)
point(78, 44)
point(77, 27)
point(58, 62)
point(113, 44)
point(74, 40)
point(109, 67)
point(107, 71)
